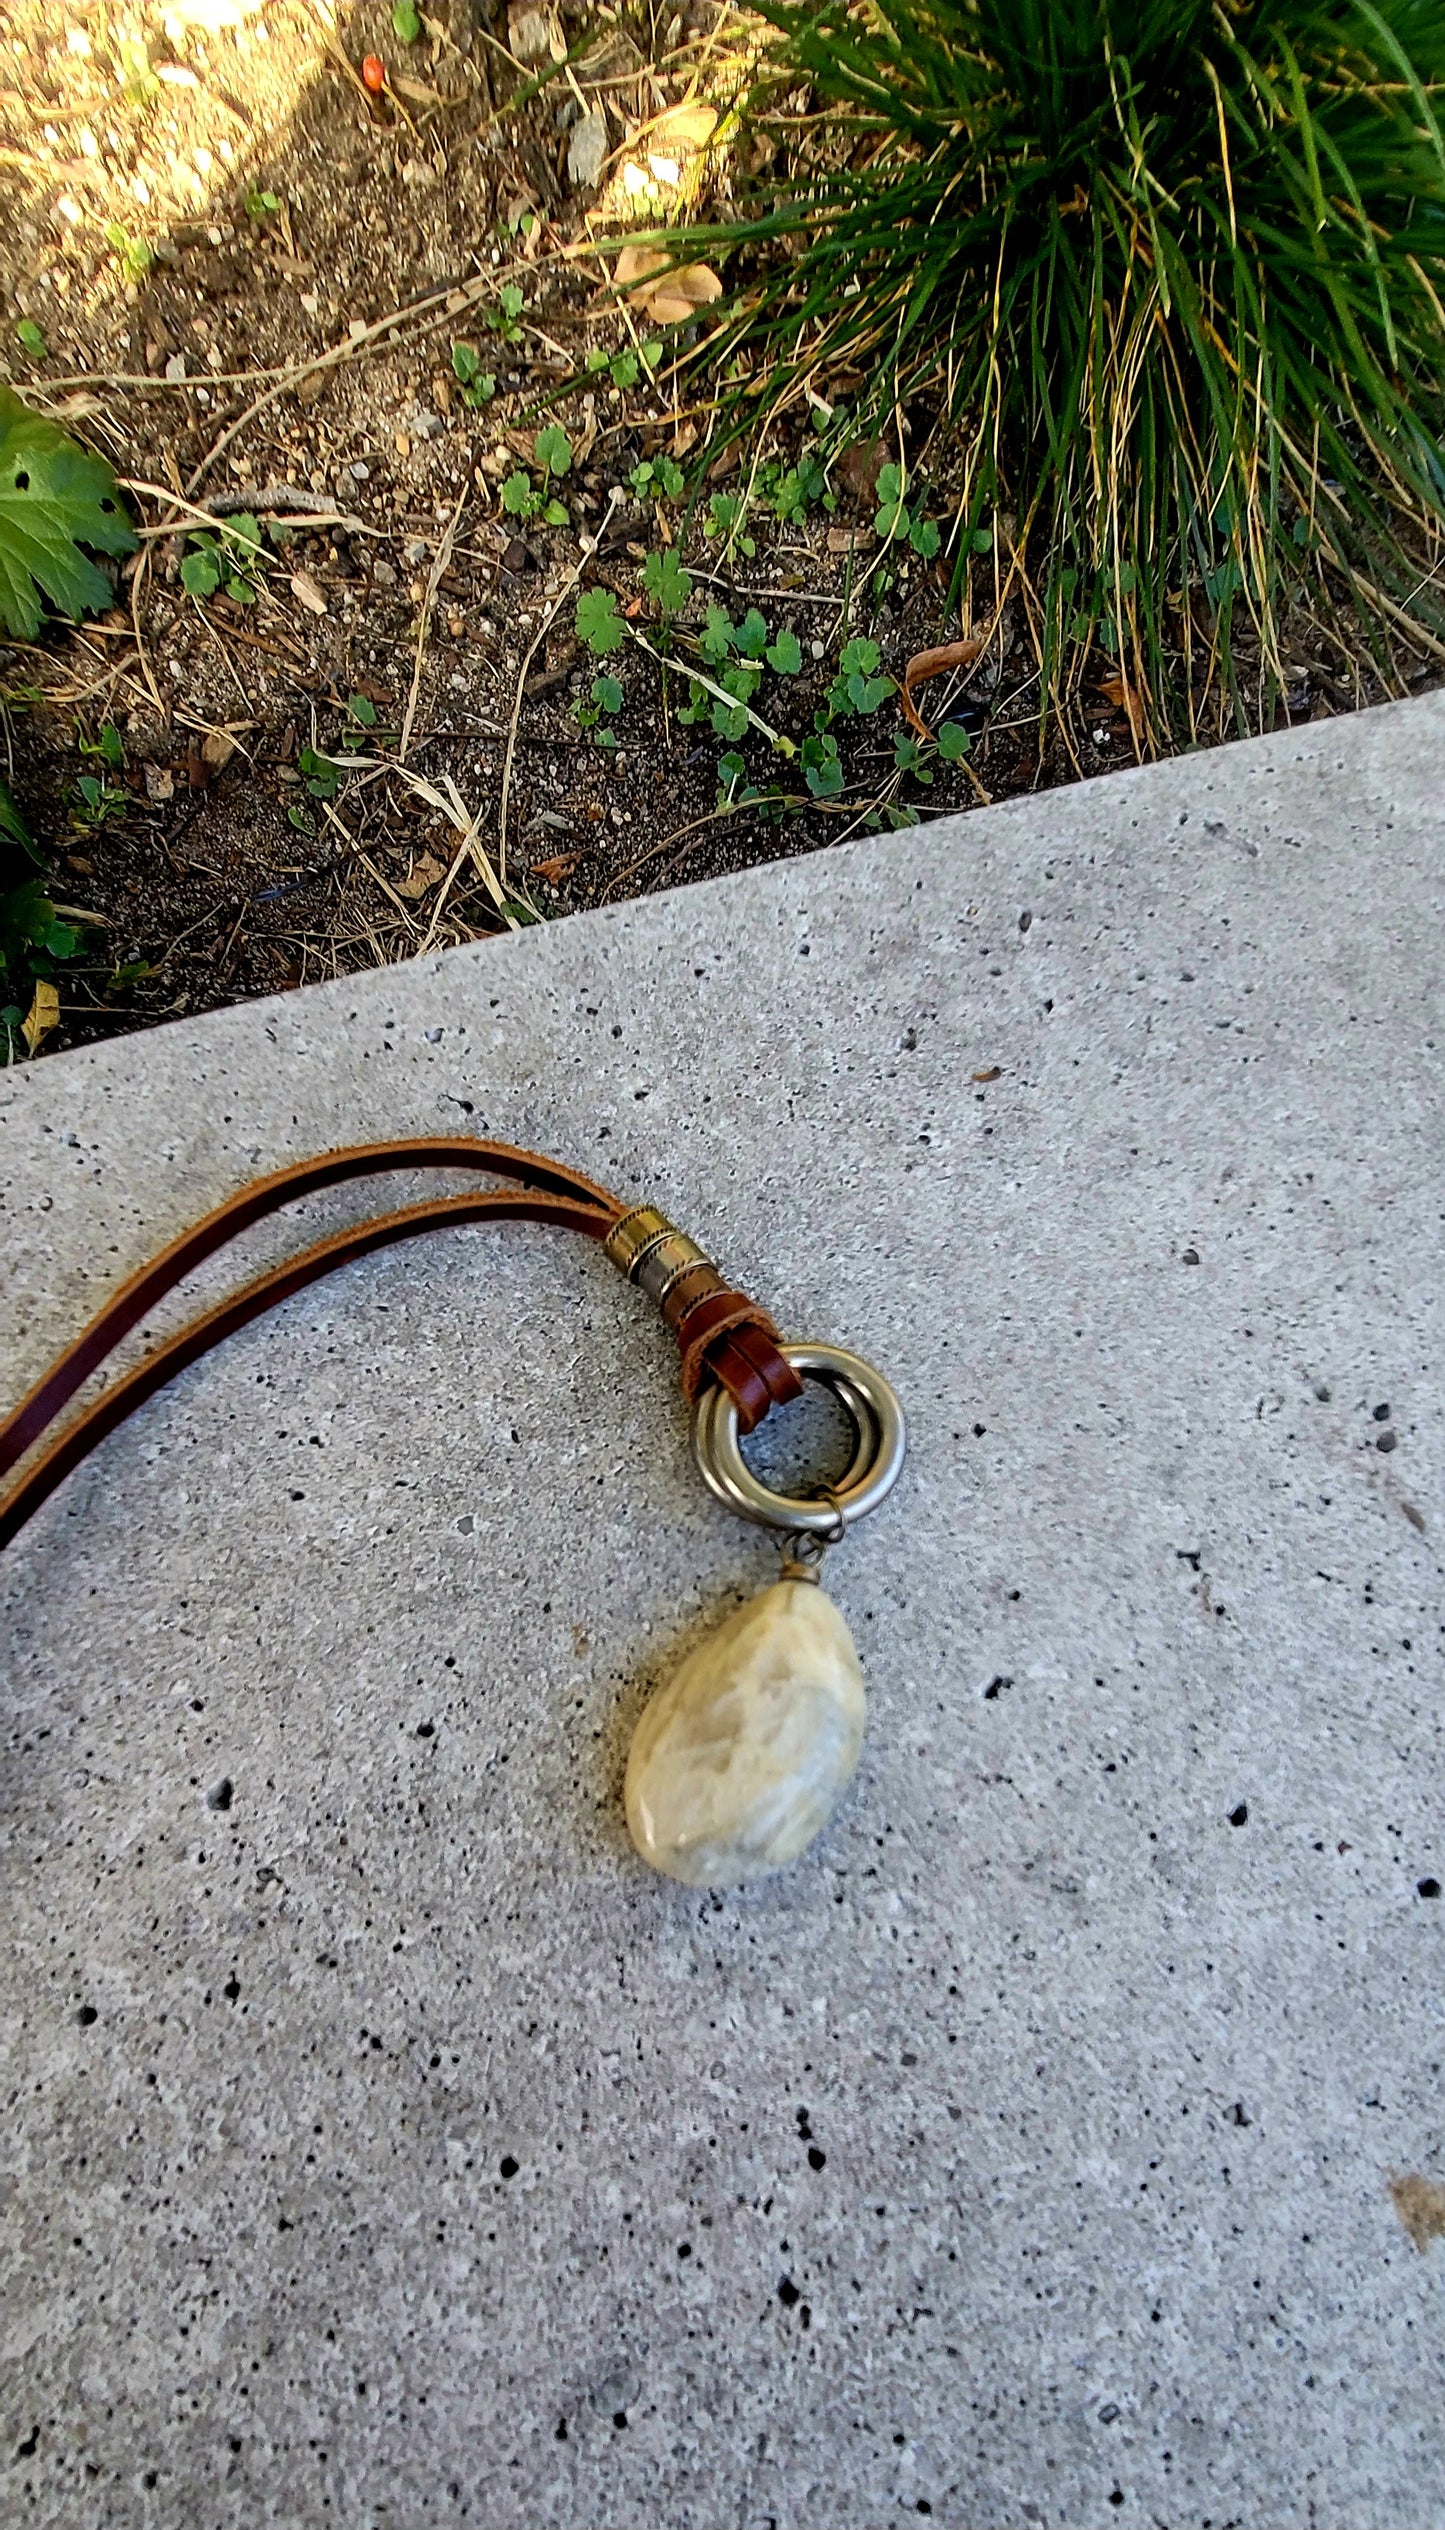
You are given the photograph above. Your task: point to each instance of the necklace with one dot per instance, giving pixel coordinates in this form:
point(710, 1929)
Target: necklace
point(741, 1757)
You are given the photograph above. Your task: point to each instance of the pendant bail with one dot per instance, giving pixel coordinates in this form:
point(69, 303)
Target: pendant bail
point(877, 1418)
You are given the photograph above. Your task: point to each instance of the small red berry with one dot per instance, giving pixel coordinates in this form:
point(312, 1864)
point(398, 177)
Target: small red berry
point(373, 73)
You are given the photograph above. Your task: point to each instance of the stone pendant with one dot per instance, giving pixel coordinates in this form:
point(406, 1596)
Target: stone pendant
point(745, 1753)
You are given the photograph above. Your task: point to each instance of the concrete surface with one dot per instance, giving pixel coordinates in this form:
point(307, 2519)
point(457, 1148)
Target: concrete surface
point(387, 2147)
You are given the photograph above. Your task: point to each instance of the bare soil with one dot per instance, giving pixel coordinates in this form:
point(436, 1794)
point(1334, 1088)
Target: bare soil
point(182, 330)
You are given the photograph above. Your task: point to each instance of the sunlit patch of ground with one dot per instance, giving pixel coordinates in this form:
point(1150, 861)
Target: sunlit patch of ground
point(120, 125)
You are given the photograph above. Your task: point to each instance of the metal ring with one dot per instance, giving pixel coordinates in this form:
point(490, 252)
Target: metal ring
point(875, 1413)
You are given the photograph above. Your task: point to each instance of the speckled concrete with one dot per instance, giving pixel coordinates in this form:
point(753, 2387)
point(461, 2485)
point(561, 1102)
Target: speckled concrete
point(382, 2144)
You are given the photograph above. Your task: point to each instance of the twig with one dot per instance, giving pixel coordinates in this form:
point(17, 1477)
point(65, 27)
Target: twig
point(449, 801)
point(434, 581)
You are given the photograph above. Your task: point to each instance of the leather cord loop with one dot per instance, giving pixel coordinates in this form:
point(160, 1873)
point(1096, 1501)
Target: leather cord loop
point(135, 1298)
point(724, 1337)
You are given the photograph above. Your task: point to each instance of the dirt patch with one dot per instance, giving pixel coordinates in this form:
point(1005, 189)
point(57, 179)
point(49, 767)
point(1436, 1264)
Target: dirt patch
point(248, 279)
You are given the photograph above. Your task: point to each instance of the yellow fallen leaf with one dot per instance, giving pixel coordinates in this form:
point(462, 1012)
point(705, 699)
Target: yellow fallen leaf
point(682, 128)
point(668, 293)
point(44, 1014)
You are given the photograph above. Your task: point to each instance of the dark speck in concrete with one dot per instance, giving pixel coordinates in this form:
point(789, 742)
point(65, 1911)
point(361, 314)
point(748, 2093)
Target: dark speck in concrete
point(1238, 1815)
point(1191, 1256)
point(508, 2166)
point(86, 2014)
point(220, 1795)
point(1387, 1441)
point(787, 2292)
point(1382, 1414)
point(1428, 1888)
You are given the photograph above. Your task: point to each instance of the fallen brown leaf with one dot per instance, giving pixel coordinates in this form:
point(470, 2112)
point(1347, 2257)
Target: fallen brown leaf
point(669, 293)
point(217, 749)
point(1420, 2204)
point(860, 466)
point(994, 1073)
point(556, 870)
point(1124, 697)
point(306, 593)
point(930, 663)
point(423, 875)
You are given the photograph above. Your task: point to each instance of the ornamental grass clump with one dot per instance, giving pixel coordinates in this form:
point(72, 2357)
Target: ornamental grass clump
point(1172, 276)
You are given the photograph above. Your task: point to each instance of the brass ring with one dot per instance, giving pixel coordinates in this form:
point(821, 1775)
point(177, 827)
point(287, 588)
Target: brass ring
point(875, 1413)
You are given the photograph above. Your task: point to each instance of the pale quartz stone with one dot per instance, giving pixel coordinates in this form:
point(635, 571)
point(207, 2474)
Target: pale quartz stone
point(738, 1761)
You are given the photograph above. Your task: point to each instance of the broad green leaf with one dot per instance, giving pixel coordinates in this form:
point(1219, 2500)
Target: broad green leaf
point(752, 635)
point(552, 449)
point(953, 742)
point(785, 654)
point(859, 658)
point(717, 636)
point(607, 694)
point(54, 497)
point(666, 582)
point(405, 24)
point(598, 622)
point(201, 571)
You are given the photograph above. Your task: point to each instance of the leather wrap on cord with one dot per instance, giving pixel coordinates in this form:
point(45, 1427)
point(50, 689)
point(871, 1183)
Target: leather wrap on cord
point(735, 1344)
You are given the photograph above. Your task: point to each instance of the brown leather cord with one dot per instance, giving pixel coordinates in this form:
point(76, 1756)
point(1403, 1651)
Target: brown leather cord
point(723, 1336)
point(135, 1298)
point(383, 1230)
